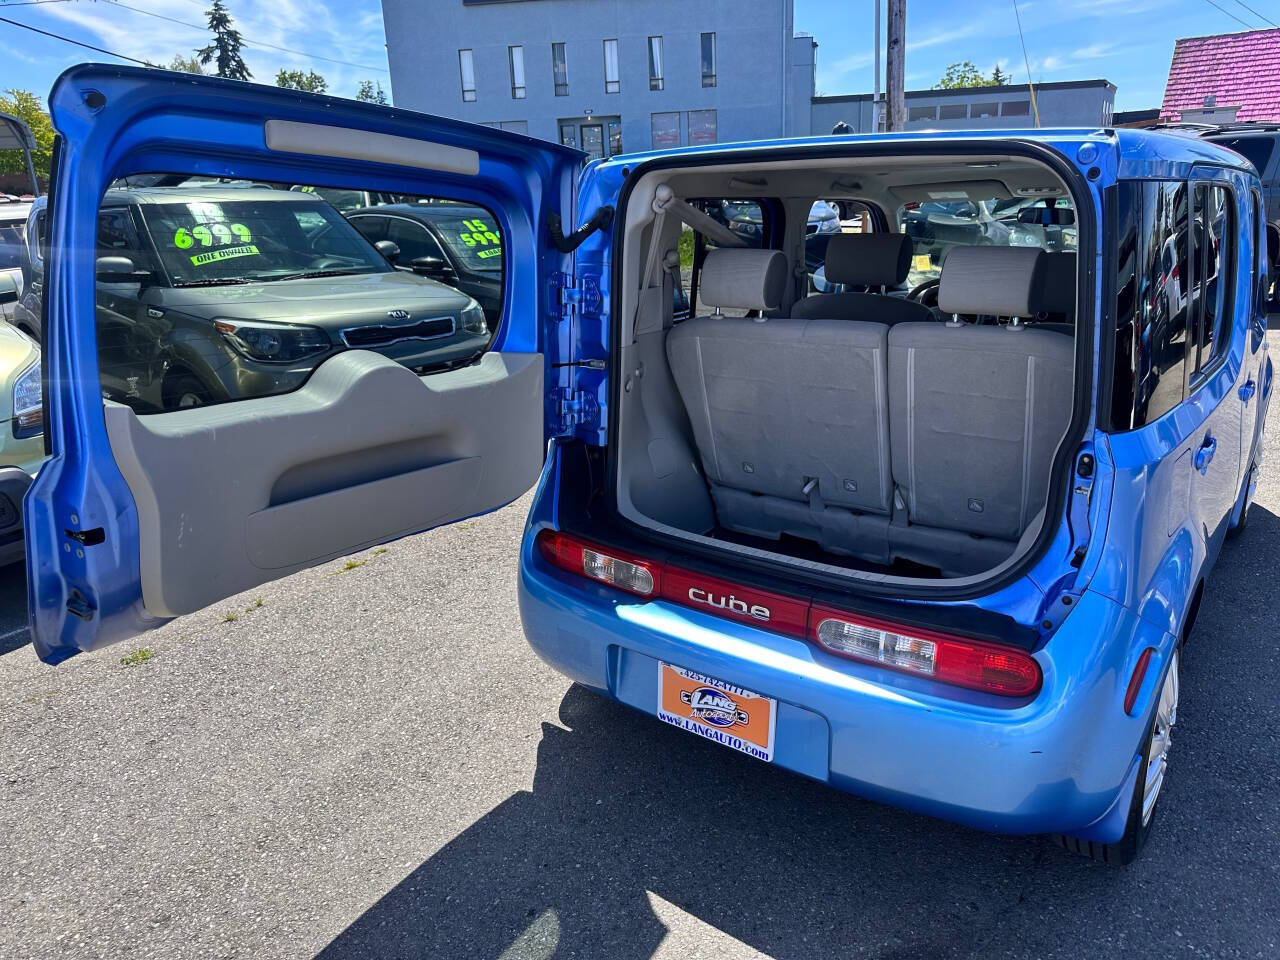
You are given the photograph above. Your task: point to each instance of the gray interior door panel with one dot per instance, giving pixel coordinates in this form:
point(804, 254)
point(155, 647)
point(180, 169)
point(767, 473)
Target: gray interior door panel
point(234, 495)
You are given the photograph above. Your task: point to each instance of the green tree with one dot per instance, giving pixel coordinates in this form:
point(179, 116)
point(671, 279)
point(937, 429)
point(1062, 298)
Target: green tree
point(225, 48)
point(310, 82)
point(26, 106)
point(998, 77)
point(962, 74)
point(181, 64)
point(369, 93)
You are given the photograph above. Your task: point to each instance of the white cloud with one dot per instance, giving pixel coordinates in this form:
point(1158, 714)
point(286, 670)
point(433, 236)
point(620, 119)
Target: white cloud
point(351, 35)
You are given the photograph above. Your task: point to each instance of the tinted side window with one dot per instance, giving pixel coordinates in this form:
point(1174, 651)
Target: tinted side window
point(372, 228)
point(1214, 236)
point(1152, 302)
point(413, 240)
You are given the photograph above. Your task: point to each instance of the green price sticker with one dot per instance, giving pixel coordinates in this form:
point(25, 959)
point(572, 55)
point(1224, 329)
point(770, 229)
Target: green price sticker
point(491, 252)
point(224, 253)
point(184, 238)
point(479, 234)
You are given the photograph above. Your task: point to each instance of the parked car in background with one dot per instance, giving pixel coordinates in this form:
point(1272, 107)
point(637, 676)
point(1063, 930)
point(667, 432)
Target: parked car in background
point(13, 226)
point(208, 293)
point(457, 245)
point(345, 200)
point(21, 433)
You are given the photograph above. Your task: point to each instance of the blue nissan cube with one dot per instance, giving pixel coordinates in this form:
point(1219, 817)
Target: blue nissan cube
point(936, 535)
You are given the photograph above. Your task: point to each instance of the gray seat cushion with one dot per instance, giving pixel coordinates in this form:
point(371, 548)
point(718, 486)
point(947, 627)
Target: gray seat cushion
point(976, 413)
point(776, 403)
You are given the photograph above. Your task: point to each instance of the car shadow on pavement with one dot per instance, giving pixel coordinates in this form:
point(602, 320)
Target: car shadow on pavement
point(623, 807)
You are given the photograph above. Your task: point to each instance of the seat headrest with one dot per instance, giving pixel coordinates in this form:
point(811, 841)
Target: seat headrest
point(991, 281)
point(868, 259)
point(743, 279)
point(1056, 293)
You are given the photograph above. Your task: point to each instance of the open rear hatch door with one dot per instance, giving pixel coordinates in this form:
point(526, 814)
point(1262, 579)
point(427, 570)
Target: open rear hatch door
point(139, 518)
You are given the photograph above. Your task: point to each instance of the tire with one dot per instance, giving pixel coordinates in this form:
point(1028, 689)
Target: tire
point(1142, 816)
point(184, 390)
point(1239, 528)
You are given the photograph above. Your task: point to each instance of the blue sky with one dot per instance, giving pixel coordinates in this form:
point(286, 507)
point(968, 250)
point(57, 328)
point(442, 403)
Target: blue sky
point(1128, 42)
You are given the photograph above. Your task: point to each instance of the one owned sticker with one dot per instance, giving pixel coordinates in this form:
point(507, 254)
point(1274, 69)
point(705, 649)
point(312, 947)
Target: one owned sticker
point(226, 253)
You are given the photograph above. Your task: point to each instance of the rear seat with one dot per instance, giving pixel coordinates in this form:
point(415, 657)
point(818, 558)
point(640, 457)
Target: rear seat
point(790, 416)
point(865, 260)
point(922, 441)
point(976, 412)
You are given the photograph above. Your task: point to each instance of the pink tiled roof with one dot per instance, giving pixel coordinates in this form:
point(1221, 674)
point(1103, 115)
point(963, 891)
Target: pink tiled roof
point(1237, 68)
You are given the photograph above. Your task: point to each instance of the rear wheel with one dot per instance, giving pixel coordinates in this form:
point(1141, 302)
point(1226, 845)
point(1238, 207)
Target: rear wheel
point(1151, 775)
point(1247, 493)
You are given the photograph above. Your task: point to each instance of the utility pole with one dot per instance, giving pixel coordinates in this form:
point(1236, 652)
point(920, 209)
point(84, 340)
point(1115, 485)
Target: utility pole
point(876, 105)
point(895, 50)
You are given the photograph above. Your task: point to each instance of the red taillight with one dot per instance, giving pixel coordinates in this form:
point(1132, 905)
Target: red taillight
point(1135, 681)
point(966, 663)
point(760, 608)
point(603, 564)
point(973, 664)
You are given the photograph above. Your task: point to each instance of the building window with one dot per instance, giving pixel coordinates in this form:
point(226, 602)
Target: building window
point(655, 63)
point(664, 130)
point(702, 126)
point(568, 135)
point(953, 111)
point(515, 126)
point(515, 57)
point(560, 69)
point(708, 59)
point(980, 110)
point(467, 66)
point(611, 66)
point(1015, 108)
point(922, 113)
point(615, 137)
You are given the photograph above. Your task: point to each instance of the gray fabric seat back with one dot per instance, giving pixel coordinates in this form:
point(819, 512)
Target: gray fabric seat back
point(865, 260)
point(775, 404)
point(976, 412)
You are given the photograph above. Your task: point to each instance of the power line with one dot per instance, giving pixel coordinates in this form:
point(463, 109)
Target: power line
point(1031, 87)
point(1257, 14)
point(1247, 26)
point(29, 3)
point(248, 43)
point(87, 46)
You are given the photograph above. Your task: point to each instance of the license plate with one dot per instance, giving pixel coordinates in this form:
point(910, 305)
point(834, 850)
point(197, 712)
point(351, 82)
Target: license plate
point(719, 711)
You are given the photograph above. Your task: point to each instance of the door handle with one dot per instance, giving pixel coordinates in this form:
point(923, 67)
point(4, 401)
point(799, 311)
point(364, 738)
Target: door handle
point(1247, 391)
point(1205, 454)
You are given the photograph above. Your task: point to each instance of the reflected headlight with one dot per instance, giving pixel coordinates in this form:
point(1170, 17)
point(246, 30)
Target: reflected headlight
point(28, 397)
point(273, 342)
point(473, 320)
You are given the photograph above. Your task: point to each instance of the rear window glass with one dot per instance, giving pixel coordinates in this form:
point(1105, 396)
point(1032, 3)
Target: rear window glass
point(216, 291)
point(1257, 150)
point(935, 228)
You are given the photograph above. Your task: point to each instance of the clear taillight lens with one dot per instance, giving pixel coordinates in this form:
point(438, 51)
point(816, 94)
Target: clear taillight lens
point(881, 646)
point(602, 564)
point(989, 667)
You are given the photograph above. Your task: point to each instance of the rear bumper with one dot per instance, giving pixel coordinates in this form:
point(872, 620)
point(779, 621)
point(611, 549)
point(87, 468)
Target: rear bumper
point(1056, 764)
point(14, 482)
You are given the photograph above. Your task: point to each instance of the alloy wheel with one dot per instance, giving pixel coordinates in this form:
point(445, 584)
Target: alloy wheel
point(1161, 739)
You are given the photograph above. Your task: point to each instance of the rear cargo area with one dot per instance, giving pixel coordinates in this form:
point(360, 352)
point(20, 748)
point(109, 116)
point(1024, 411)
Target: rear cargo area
point(886, 403)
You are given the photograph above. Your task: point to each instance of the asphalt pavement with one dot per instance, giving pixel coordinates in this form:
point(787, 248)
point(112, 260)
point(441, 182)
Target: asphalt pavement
point(370, 762)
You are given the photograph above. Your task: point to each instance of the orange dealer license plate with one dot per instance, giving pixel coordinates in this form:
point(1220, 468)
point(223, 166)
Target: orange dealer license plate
point(716, 710)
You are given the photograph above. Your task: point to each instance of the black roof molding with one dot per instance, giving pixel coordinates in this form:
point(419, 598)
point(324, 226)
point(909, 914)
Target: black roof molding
point(971, 91)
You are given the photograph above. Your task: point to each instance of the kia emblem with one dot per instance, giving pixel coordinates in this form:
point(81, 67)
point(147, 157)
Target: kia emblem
point(398, 314)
